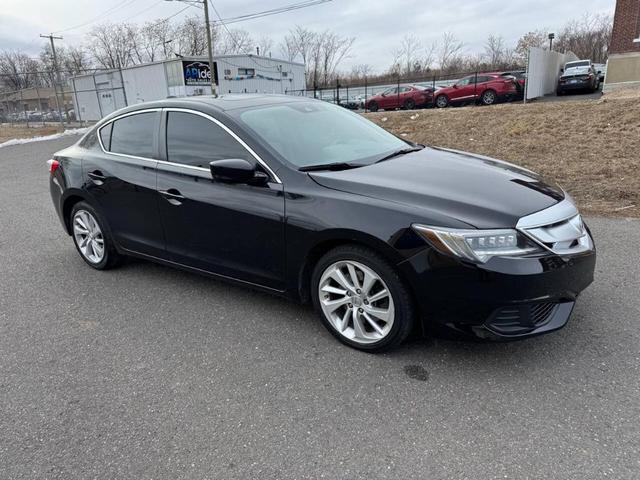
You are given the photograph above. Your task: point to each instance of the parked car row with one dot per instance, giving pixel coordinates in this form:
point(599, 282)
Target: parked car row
point(483, 88)
point(38, 116)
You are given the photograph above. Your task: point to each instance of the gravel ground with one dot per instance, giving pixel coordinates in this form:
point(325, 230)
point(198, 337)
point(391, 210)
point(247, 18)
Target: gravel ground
point(147, 372)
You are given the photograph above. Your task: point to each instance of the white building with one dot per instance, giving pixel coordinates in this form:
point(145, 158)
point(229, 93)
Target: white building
point(98, 94)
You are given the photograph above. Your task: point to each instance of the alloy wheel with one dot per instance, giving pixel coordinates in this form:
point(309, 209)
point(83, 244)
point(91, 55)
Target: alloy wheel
point(488, 97)
point(88, 236)
point(356, 301)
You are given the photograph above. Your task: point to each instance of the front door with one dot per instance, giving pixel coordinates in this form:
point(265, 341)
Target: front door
point(235, 230)
point(122, 180)
point(465, 89)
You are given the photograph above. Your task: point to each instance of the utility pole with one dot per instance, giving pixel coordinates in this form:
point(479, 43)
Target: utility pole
point(55, 67)
point(205, 4)
point(551, 37)
point(209, 47)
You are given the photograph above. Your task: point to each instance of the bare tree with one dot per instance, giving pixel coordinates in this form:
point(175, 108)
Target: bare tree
point(588, 37)
point(450, 52)
point(235, 42)
point(305, 43)
point(361, 71)
point(494, 50)
point(288, 48)
point(265, 45)
point(16, 67)
point(190, 39)
point(333, 50)
point(113, 45)
point(406, 56)
point(536, 38)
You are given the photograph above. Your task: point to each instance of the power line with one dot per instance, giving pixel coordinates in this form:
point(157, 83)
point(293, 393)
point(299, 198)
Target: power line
point(122, 4)
point(273, 11)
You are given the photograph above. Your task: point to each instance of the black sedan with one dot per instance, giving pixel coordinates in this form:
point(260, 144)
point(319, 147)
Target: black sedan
point(581, 78)
point(308, 200)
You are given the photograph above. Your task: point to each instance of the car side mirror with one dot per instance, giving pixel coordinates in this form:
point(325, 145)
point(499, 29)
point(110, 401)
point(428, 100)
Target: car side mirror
point(236, 170)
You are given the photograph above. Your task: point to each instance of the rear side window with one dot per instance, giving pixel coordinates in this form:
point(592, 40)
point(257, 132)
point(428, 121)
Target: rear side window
point(194, 140)
point(133, 135)
point(105, 136)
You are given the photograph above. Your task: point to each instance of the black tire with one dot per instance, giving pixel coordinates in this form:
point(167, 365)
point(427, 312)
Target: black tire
point(559, 93)
point(111, 257)
point(489, 97)
point(373, 107)
point(409, 104)
point(403, 306)
point(442, 101)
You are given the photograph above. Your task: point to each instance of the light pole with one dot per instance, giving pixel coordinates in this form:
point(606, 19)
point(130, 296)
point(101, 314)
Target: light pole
point(205, 4)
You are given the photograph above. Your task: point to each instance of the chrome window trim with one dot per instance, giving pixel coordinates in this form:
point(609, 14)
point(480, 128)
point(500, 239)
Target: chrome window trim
point(230, 132)
point(157, 162)
point(126, 155)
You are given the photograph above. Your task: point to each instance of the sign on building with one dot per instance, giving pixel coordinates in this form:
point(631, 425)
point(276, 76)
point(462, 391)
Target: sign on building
point(198, 73)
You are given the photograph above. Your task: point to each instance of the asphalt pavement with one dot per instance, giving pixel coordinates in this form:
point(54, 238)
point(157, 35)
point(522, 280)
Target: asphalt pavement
point(147, 372)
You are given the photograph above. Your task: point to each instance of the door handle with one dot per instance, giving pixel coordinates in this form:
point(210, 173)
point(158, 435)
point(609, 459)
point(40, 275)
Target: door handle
point(173, 196)
point(97, 177)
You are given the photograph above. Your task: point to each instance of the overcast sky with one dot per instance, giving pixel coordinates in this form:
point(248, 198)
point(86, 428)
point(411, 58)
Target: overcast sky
point(377, 25)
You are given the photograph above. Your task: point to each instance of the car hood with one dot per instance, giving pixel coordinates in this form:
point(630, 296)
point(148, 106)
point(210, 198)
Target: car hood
point(479, 191)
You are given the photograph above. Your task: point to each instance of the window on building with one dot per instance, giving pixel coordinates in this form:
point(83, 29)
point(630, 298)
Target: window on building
point(285, 74)
point(133, 135)
point(194, 140)
point(246, 71)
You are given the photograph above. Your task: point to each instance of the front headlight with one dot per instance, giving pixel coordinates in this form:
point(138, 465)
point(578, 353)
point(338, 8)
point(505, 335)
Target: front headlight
point(477, 245)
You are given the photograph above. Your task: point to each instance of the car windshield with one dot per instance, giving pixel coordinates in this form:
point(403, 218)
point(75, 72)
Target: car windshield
point(577, 71)
point(317, 133)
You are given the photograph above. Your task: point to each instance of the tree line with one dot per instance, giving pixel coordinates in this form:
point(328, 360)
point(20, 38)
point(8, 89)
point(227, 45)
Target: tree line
point(112, 46)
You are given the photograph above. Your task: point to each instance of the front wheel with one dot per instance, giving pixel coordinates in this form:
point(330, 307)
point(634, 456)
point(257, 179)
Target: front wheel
point(361, 299)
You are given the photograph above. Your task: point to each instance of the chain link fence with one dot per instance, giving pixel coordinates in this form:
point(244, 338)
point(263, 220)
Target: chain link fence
point(357, 95)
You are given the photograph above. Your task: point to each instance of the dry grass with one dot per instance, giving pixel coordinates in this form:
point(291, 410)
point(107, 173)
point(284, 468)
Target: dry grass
point(591, 147)
point(8, 132)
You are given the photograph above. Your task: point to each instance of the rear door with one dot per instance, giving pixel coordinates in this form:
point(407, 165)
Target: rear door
point(121, 177)
point(235, 230)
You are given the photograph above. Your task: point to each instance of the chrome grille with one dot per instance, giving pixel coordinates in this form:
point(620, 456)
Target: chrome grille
point(559, 229)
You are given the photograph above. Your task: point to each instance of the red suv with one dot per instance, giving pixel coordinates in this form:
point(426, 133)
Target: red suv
point(405, 96)
point(486, 88)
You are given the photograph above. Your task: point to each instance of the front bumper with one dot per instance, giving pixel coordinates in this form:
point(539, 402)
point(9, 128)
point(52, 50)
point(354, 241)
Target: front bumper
point(503, 299)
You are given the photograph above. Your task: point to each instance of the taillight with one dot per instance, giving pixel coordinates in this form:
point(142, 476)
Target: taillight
point(53, 165)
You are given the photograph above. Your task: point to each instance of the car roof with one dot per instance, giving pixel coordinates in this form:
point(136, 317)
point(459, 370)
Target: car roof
point(222, 103)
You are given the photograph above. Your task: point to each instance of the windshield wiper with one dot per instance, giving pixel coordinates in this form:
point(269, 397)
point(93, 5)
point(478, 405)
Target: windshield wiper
point(397, 153)
point(330, 166)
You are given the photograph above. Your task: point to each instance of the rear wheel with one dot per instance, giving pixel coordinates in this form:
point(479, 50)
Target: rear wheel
point(92, 238)
point(488, 97)
point(373, 107)
point(361, 299)
point(442, 101)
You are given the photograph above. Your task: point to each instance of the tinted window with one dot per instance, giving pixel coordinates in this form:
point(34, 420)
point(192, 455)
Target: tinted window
point(483, 78)
point(465, 81)
point(90, 141)
point(105, 136)
point(196, 141)
point(133, 135)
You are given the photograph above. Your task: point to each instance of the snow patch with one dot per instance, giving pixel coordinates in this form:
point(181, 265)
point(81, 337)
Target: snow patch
point(20, 141)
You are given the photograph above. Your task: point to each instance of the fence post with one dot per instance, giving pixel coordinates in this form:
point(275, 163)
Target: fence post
point(26, 117)
point(398, 92)
point(365, 94)
point(76, 104)
point(337, 91)
point(315, 89)
point(475, 87)
point(433, 96)
point(39, 105)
